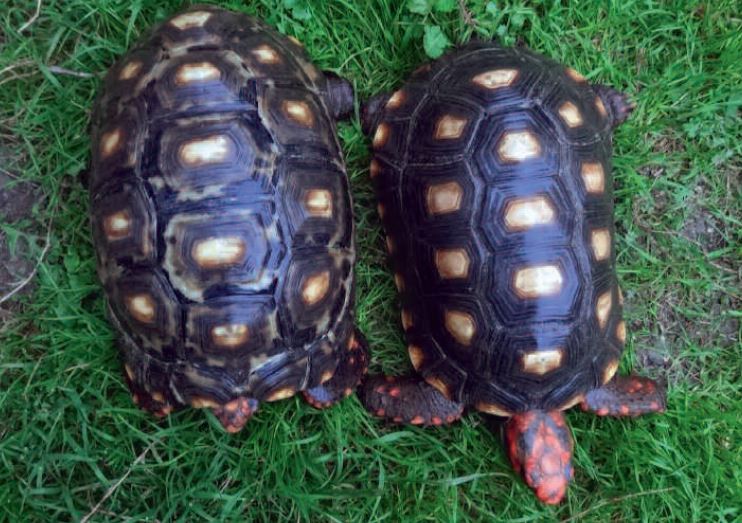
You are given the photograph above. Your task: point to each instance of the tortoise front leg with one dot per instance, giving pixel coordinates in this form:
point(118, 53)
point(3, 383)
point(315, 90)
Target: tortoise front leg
point(408, 399)
point(351, 368)
point(626, 396)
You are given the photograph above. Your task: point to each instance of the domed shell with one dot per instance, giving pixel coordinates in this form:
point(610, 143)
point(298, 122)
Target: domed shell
point(221, 213)
point(492, 167)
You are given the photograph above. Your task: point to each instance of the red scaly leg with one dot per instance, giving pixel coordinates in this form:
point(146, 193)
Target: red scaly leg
point(540, 448)
point(626, 396)
point(234, 414)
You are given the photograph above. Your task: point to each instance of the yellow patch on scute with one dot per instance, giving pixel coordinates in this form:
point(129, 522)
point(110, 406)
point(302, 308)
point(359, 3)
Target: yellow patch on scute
point(460, 325)
point(117, 226)
point(212, 149)
point(198, 402)
point(129, 372)
point(197, 72)
point(326, 376)
point(399, 281)
point(600, 239)
point(266, 54)
point(603, 306)
point(601, 107)
point(381, 135)
point(299, 112)
point(230, 335)
point(374, 168)
point(538, 281)
point(574, 75)
point(142, 307)
point(452, 263)
point(570, 114)
point(315, 288)
point(523, 213)
point(518, 146)
point(593, 176)
point(110, 142)
point(396, 100)
point(130, 70)
point(621, 332)
point(219, 252)
point(417, 356)
point(495, 78)
point(318, 203)
point(443, 198)
point(281, 394)
point(610, 370)
point(542, 361)
point(441, 385)
point(491, 408)
point(190, 20)
point(449, 127)
point(406, 319)
point(571, 402)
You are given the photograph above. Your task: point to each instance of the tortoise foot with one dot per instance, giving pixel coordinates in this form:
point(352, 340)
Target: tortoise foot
point(234, 414)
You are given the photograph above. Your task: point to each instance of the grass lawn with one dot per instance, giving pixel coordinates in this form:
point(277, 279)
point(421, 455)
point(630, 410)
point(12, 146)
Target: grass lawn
point(71, 442)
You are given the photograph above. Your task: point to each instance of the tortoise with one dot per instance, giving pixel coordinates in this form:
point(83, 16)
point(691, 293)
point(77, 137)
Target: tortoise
point(222, 219)
point(492, 167)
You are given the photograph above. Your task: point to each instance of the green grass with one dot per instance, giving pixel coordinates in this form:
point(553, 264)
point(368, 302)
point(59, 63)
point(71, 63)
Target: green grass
point(70, 437)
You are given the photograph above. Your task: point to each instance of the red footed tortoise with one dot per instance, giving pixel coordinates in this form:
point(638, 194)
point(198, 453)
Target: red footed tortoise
point(492, 168)
point(222, 219)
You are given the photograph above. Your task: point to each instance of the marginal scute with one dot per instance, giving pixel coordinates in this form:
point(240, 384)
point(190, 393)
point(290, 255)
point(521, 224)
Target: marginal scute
point(460, 325)
point(315, 288)
point(524, 213)
point(117, 226)
point(603, 306)
point(571, 402)
point(444, 198)
point(197, 72)
point(198, 402)
point(219, 252)
point(570, 114)
point(142, 307)
point(299, 112)
point(542, 361)
point(600, 239)
point(538, 281)
point(449, 127)
point(495, 78)
point(518, 146)
point(211, 149)
point(190, 20)
point(452, 263)
point(593, 176)
point(230, 335)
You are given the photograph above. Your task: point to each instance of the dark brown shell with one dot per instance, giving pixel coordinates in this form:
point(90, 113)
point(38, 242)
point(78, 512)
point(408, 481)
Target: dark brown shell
point(493, 171)
point(221, 212)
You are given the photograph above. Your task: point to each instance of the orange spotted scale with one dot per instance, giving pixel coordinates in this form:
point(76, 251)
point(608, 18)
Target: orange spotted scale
point(222, 219)
point(493, 169)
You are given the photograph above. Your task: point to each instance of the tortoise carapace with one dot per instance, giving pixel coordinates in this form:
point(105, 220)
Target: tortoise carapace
point(222, 221)
point(493, 171)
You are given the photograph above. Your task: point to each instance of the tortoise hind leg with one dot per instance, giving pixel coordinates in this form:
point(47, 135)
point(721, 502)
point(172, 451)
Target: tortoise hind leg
point(540, 448)
point(350, 370)
point(408, 399)
point(617, 103)
point(626, 396)
point(371, 111)
point(339, 95)
point(156, 403)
